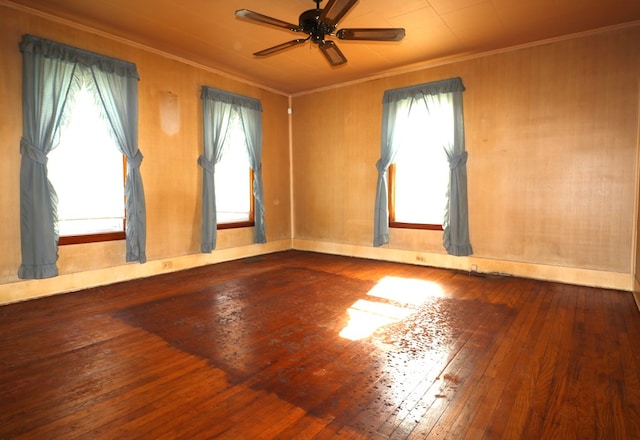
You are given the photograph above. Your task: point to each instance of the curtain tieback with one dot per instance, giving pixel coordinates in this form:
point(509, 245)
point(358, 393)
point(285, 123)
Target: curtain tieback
point(135, 161)
point(206, 165)
point(456, 161)
point(29, 151)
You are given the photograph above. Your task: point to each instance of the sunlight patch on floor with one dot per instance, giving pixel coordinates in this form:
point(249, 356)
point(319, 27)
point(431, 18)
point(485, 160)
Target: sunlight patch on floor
point(365, 316)
point(406, 290)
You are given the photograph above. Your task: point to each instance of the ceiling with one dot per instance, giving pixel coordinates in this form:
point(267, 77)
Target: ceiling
point(208, 33)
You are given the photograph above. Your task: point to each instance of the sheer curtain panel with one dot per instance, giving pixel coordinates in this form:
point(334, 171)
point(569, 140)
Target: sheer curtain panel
point(393, 113)
point(119, 95)
point(252, 125)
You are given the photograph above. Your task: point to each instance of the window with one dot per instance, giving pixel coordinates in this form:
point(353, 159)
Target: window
point(233, 179)
point(51, 71)
point(422, 142)
point(232, 165)
point(419, 176)
point(87, 172)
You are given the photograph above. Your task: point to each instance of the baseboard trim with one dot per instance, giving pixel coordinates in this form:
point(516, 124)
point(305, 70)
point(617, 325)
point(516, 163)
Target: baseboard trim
point(30, 289)
point(568, 275)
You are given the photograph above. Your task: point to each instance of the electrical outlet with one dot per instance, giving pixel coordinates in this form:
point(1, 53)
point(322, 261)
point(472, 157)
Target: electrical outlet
point(474, 268)
point(420, 258)
point(167, 264)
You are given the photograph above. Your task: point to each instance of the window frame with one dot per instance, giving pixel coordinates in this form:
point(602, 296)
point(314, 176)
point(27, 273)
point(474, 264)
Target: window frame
point(392, 209)
point(243, 223)
point(65, 240)
point(97, 237)
point(49, 70)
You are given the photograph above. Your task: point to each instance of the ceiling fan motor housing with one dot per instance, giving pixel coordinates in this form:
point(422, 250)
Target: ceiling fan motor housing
point(310, 23)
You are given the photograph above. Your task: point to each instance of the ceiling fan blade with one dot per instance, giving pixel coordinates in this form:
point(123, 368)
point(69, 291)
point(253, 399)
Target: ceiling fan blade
point(280, 47)
point(265, 19)
point(335, 10)
point(332, 53)
point(372, 34)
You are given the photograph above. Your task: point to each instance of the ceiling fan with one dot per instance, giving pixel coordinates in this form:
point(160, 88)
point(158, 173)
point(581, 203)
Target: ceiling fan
point(320, 23)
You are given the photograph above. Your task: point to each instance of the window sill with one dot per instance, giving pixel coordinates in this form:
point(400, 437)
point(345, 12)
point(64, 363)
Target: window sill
point(91, 238)
point(422, 226)
point(234, 225)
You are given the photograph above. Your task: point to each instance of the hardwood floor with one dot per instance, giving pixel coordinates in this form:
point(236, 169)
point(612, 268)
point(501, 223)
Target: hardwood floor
point(311, 346)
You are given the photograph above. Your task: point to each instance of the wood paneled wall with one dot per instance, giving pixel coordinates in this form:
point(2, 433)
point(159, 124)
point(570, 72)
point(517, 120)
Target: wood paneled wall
point(636, 239)
point(170, 138)
point(552, 135)
point(551, 130)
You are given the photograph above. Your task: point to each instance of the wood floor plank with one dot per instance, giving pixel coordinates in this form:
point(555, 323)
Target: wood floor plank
point(258, 348)
point(516, 365)
point(117, 402)
point(305, 428)
point(583, 353)
point(178, 396)
point(498, 372)
point(457, 380)
point(209, 417)
point(542, 387)
point(466, 373)
point(630, 360)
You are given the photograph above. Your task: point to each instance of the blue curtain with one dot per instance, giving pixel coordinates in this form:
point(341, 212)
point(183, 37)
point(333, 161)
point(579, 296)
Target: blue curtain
point(217, 106)
point(45, 84)
point(393, 113)
point(216, 115)
point(456, 219)
point(396, 107)
point(48, 70)
point(252, 126)
point(119, 96)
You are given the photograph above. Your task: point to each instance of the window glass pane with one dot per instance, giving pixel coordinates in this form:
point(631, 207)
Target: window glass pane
point(421, 166)
point(232, 177)
point(87, 172)
point(421, 183)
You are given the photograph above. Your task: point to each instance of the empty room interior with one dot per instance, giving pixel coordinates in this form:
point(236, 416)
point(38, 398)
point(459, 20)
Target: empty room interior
point(306, 296)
